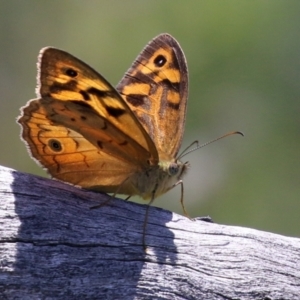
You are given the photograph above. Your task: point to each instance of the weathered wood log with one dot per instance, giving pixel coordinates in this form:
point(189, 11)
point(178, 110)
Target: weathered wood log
point(53, 246)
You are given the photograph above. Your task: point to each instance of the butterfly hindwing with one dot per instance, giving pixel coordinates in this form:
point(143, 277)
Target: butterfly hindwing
point(69, 156)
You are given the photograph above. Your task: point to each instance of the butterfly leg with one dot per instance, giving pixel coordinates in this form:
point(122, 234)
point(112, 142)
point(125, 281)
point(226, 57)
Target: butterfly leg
point(181, 198)
point(127, 198)
point(104, 203)
point(146, 217)
point(112, 196)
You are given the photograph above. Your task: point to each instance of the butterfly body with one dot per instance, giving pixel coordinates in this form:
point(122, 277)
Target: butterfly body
point(156, 180)
point(123, 140)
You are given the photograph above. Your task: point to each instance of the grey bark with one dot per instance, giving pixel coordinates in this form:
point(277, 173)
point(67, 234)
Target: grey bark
point(53, 246)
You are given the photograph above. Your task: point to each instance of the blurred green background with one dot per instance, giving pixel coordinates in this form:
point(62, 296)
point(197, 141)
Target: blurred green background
point(244, 69)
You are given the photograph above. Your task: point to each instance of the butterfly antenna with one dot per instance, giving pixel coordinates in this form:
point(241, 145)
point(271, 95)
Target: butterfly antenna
point(184, 153)
point(188, 147)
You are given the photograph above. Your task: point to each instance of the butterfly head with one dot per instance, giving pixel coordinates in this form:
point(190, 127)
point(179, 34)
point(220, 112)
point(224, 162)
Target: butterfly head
point(176, 169)
point(172, 172)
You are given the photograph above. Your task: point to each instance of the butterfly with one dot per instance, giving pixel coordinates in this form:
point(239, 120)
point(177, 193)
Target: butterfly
point(122, 140)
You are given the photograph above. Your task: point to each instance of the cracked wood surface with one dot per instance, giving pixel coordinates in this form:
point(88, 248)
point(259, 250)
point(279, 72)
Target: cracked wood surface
point(54, 247)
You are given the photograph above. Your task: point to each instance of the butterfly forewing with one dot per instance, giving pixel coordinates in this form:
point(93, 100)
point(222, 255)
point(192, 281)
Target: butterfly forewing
point(156, 89)
point(64, 77)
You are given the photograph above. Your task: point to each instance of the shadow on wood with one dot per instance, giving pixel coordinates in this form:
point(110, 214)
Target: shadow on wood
point(53, 246)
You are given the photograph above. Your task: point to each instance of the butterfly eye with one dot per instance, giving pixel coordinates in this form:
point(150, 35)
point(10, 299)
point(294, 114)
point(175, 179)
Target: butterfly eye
point(55, 145)
point(160, 60)
point(72, 73)
point(173, 169)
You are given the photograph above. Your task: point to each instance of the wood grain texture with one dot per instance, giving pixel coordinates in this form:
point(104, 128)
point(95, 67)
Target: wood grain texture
point(52, 246)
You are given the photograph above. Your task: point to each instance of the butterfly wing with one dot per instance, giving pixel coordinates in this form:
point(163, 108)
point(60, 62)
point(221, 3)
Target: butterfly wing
point(67, 155)
point(156, 89)
point(79, 108)
point(66, 78)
